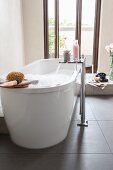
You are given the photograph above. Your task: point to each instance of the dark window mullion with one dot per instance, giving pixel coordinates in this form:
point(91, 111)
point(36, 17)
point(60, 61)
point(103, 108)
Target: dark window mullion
point(96, 33)
point(76, 28)
point(79, 25)
point(78, 22)
point(46, 48)
point(56, 28)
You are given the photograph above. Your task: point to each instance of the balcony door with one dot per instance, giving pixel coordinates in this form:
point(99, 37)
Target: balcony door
point(67, 20)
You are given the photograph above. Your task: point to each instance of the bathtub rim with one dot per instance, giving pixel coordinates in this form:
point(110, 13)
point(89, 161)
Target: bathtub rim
point(31, 89)
point(46, 89)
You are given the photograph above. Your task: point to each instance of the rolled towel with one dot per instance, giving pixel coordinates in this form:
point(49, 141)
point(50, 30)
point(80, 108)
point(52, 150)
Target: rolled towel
point(9, 84)
point(17, 84)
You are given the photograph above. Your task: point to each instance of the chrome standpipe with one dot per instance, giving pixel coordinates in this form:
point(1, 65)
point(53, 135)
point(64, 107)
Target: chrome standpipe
point(82, 121)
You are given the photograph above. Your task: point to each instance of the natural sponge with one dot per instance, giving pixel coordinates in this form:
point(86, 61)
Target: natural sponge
point(15, 76)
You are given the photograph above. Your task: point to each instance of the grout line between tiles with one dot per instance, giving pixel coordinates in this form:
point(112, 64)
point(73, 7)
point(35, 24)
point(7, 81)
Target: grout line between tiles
point(90, 105)
point(1, 154)
point(104, 136)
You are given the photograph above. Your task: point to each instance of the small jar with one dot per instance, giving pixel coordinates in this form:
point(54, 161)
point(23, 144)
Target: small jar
point(66, 55)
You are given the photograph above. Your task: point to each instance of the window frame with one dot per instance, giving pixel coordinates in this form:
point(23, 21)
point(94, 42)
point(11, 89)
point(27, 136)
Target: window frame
point(77, 31)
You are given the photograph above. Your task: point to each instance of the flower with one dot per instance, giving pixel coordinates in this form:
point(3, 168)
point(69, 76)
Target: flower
point(109, 49)
point(65, 42)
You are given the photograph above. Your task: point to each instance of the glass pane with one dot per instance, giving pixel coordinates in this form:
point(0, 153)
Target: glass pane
point(87, 30)
point(51, 26)
point(67, 22)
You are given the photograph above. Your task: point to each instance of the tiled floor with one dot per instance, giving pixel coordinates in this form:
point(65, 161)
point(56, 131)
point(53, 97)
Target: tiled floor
point(88, 148)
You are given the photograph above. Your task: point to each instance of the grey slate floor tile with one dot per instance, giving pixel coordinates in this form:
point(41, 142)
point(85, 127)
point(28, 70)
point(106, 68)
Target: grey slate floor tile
point(82, 140)
point(79, 140)
point(88, 111)
point(102, 107)
point(107, 129)
point(57, 162)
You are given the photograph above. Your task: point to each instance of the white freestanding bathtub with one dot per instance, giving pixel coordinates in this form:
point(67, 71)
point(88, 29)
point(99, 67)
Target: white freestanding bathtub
point(39, 116)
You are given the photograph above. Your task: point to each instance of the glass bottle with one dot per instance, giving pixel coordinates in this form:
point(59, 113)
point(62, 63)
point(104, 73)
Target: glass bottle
point(75, 50)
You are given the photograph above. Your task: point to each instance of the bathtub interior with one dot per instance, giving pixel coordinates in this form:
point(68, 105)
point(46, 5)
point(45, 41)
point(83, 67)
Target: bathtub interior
point(41, 67)
point(49, 72)
point(46, 66)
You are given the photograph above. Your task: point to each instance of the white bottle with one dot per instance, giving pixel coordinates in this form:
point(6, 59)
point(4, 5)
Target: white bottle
point(75, 50)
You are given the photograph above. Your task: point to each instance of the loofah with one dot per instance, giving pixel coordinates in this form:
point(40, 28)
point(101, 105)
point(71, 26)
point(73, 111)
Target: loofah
point(15, 76)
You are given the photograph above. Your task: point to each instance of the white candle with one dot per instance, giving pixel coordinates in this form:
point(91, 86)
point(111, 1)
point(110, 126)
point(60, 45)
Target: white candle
point(92, 71)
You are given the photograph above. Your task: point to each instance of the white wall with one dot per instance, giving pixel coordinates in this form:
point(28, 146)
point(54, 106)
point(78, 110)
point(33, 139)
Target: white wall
point(106, 35)
point(33, 29)
point(11, 41)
